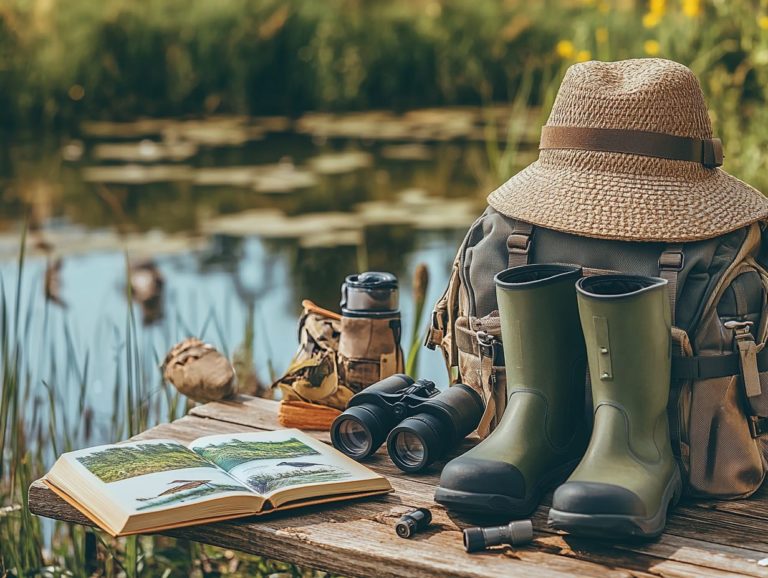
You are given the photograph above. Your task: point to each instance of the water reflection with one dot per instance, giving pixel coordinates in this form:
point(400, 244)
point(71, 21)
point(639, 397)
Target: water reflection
point(226, 228)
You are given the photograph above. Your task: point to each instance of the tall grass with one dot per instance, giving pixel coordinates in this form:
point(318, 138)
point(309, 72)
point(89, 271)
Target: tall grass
point(45, 410)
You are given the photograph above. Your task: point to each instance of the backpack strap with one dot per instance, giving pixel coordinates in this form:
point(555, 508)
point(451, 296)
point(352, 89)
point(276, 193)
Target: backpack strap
point(711, 366)
point(519, 244)
point(671, 262)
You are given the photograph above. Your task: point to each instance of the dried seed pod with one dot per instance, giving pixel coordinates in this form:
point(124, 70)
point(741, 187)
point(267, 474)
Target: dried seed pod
point(199, 371)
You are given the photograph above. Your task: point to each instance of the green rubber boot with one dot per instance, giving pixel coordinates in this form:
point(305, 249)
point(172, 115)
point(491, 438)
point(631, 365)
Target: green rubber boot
point(628, 477)
point(543, 432)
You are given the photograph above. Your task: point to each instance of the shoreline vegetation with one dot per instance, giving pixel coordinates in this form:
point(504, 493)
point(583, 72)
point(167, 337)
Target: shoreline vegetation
point(109, 464)
point(232, 453)
point(275, 57)
point(265, 482)
point(266, 57)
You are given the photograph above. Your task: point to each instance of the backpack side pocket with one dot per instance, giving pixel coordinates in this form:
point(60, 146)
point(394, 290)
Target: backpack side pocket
point(726, 457)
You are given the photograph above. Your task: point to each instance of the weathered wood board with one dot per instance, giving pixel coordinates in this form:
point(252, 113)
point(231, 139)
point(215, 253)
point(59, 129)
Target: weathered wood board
point(705, 538)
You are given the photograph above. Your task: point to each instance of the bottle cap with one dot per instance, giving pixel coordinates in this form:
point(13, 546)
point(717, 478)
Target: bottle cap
point(372, 292)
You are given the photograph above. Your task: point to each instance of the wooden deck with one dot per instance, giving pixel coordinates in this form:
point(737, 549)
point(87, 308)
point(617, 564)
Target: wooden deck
point(703, 538)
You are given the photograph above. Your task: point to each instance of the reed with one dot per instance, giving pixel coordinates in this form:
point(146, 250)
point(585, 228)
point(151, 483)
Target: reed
point(40, 419)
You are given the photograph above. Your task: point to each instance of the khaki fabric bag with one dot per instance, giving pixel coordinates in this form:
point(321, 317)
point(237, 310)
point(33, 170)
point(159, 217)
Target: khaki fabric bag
point(313, 374)
point(719, 290)
point(369, 351)
point(339, 356)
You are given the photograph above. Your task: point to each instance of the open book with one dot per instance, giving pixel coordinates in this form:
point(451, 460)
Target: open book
point(155, 485)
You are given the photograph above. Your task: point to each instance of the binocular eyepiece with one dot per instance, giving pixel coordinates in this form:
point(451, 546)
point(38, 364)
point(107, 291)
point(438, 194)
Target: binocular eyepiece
point(419, 422)
point(515, 533)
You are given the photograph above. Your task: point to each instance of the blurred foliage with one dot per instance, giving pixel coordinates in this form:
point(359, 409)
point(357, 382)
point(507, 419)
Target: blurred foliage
point(120, 58)
point(128, 57)
point(64, 61)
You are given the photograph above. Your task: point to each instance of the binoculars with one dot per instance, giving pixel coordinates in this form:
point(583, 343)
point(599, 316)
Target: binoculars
point(419, 422)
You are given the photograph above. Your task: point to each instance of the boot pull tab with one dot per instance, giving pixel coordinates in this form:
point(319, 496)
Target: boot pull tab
point(747, 355)
point(604, 364)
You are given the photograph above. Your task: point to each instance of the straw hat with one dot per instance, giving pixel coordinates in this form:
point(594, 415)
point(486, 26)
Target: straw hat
point(628, 153)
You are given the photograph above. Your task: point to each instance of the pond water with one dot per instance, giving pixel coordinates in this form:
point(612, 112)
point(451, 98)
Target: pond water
point(226, 216)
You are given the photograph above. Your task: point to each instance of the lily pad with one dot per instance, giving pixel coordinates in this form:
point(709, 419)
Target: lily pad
point(146, 150)
point(215, 131)
point(143, 127)
point(406, 152)
point(235, 176)
point(340, 163)
point(272, 123)
point(283, 178)
point(416, 208)
point(133, 174)
point(271, 223)
point(75, 240)
point(328, 239)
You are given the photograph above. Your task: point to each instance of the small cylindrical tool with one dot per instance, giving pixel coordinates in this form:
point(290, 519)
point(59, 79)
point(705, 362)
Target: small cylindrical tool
point(515, 534)
point(413, 522)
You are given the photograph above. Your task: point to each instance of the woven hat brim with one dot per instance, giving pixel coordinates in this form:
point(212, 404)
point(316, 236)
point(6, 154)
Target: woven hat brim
point(649, 200)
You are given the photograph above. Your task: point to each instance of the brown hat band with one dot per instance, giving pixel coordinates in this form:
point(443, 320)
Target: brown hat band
point(708, 151)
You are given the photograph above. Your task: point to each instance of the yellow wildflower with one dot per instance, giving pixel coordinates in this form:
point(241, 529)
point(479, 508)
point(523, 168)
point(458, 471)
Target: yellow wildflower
point(651, 19)
point(565, 49)
point(601, 35)
point(604, 7)
point(657, 6)
point(583, 55)
point(692, 8)
point(651, 47)
point(762, 22)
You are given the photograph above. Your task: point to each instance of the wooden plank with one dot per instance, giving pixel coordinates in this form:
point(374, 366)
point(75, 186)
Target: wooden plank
point(357, 538)
point(704, 521)
point(262, 414)
point(312, 527)
point(249, 411)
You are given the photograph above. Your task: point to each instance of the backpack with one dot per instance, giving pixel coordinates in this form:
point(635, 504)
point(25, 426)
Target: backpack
point(718, 407)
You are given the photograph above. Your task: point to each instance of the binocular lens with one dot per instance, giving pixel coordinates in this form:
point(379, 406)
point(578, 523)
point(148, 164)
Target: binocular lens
point(410, 449)
point(442, 421)
point(363, 427)
point(416, 443)
point(354, 438)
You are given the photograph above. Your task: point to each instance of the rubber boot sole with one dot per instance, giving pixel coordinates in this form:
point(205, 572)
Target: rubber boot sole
point(499, 505)
point(617, 526)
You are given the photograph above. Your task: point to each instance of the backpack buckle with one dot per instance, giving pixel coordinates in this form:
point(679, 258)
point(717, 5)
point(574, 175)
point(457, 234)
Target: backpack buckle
point(741, 329)
point(758, 426)
point(672, 260)
point(747, 349)
point(486, 344)
point(436, 329)
point(519, 243)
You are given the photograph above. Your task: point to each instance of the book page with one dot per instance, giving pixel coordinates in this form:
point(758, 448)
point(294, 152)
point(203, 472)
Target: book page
point(269, 462)
point(151, 475)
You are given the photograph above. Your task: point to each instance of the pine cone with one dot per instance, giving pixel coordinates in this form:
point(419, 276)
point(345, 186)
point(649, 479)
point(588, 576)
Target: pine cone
point(199, 371)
